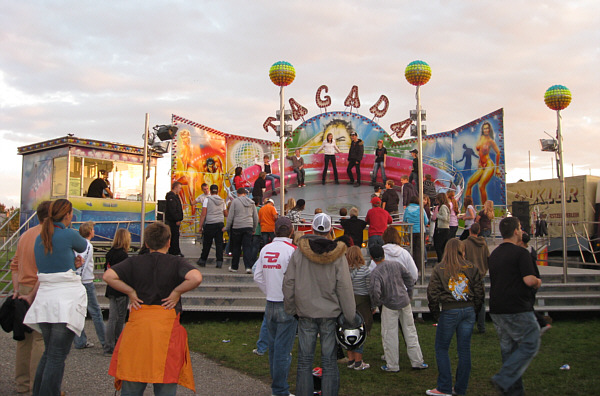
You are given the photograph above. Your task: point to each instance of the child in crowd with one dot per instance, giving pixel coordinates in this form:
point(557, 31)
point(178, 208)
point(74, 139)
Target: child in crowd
point(86, 271)
point(117, 311)
point(360, 275)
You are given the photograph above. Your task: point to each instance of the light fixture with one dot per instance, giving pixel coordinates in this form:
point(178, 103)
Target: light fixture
point(549, 145)
point(165, 132)
point(161, 147)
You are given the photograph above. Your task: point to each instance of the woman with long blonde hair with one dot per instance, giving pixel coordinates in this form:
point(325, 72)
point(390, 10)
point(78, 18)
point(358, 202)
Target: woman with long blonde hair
point(485, 217)
point(60, 304)
point(441, 215)
point(117, 309)
point(453, 213)
point(360, 275)
point(289, 205)
point(457, 286)
point(329, 148)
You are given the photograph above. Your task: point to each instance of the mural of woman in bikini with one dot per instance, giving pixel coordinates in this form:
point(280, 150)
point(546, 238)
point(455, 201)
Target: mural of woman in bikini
point(486, 167)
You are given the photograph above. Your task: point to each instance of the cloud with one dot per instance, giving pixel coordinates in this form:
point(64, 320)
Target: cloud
point(95, 69)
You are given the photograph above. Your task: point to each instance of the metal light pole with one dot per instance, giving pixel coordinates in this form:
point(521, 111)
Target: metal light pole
point(281, 151)
point(144, 171)
point(418, 73)
point(558, 97)
point(282, 74)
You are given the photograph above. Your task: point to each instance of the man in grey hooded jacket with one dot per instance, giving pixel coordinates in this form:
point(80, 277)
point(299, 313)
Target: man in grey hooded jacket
point(242, 220)
point(317, 287)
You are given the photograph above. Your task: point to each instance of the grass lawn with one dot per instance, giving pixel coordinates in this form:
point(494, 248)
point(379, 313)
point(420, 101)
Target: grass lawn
point(571, 341)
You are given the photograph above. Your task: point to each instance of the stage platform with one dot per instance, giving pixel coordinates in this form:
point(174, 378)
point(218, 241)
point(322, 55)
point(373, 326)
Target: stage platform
point(330, 197)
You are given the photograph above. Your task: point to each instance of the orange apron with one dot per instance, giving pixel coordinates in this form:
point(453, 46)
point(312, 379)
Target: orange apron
point(153, 349)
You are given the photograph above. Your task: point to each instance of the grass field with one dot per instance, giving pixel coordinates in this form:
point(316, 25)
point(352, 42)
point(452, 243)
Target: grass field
point(571, 341)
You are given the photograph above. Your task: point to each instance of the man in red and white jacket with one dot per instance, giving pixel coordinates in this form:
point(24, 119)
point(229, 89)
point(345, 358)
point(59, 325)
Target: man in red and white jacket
point(270, 269)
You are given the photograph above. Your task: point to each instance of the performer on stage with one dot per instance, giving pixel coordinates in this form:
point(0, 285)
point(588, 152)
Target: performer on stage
point(330, 149)
point(355, 155)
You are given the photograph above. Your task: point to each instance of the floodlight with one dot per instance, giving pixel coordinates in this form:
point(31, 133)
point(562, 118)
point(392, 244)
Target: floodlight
point(165, 132)
point(549, 145)
point(161, 147)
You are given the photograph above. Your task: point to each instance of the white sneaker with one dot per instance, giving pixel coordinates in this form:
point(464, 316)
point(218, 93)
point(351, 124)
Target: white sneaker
point(248, 271)
point(232, 270)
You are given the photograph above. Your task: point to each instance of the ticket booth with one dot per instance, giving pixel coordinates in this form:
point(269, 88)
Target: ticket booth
point(67, 166)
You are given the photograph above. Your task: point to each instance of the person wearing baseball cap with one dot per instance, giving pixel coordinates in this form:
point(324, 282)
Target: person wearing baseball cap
point(378, 220)
point(271, 266)
point(317, 287)
point(380, 157)
point(415, 166)
point(355, 155)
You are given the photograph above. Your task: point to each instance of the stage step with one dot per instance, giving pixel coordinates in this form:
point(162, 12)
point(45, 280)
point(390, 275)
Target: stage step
point(224, 291)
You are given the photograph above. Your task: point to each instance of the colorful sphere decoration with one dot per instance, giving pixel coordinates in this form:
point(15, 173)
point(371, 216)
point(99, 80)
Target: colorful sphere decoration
point(557, 97)
point(417, 73)
point(282, 73)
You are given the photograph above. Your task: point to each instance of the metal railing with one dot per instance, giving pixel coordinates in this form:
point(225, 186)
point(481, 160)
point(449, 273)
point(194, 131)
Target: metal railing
point(7, 248)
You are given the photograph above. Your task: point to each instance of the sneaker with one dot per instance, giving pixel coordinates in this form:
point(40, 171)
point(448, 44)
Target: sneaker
point(357, 184)
point(106, 353)
point(274, 194)
point(257, 353)
point(350, 364)
point(201, 263)
point(351, 182)
point(386, 368)
point(545, 329)
point(87, 345)
point(433, 392)
point(422, 366)
point(248, 270)
point(232, 270)
point(363, 366)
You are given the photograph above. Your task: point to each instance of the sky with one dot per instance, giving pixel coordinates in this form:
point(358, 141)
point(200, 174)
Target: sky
point(95, 69)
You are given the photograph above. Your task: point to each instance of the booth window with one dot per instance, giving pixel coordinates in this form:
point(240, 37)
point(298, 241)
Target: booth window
point(128, 179)
point(59, 177)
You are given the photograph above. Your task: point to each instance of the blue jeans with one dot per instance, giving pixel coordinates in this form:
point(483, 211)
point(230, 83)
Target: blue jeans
point(117, 313)
point(376, 167)
point(375, 240)
point(57, 344)
point(282, 331)
point(137, 389)
point(263, 337)
point(519, 343)
point(241, 239)
point(95, 312)
point(308, 329)
point(461, 322)
point(272, 177)
point(267, 237)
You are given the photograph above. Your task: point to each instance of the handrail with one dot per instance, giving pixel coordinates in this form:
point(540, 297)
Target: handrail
point(26, 223)
point(7, 222)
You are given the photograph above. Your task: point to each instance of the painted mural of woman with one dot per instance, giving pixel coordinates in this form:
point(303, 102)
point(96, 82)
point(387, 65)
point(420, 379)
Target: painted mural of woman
point(486, 167)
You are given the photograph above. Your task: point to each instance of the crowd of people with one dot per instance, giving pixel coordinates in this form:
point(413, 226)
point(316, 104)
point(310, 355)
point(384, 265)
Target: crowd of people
point(308, 280)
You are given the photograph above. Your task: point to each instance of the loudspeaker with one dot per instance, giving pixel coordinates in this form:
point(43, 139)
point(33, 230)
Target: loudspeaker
point(520, 209)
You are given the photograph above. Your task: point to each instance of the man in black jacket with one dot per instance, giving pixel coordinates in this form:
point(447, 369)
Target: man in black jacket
point(173, 217)
point(355, 155)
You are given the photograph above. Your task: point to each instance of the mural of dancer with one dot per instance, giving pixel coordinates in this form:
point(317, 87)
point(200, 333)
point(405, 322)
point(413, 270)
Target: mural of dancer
point(467, 157)
point(486, 168)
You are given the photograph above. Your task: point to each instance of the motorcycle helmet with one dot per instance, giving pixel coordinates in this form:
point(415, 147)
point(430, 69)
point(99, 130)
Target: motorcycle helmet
point(348, 336)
